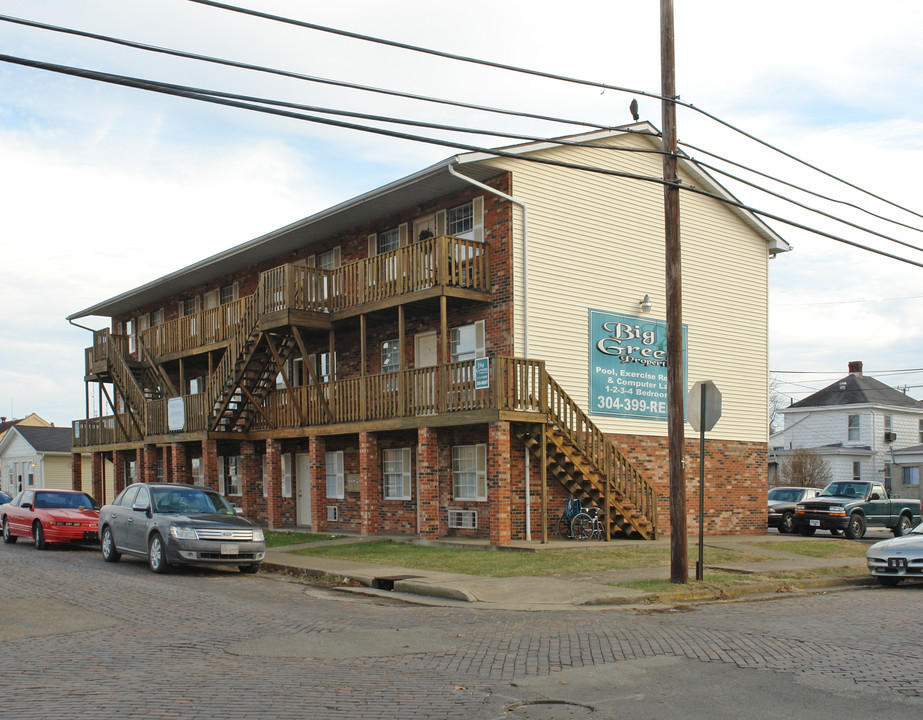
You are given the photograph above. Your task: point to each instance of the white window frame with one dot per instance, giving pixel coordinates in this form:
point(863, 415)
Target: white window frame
point(230, 476)
point(227, 294)
point(265, 476)
point(287, 475)
point(857, 471)
point(910, 477)
point(476, 331)
point(197, 470)
point(396, 474)
point(469, 472)
point(335, 475)
point(466, 221)
point(853, 428)
point(390, 356)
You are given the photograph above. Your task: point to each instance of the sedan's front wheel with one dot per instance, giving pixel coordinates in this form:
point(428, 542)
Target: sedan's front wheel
point(249, 569)
point(39, 533)
point(156, 555)
point(787, 524)
point(903, 526)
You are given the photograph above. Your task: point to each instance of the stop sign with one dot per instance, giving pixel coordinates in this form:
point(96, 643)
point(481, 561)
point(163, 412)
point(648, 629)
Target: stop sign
point(707, 390)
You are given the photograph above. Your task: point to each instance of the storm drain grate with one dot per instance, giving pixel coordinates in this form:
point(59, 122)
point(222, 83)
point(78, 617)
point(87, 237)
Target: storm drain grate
point(387, 583)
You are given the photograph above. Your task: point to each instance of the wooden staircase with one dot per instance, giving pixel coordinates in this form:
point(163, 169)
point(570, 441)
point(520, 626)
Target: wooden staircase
point(586, 462)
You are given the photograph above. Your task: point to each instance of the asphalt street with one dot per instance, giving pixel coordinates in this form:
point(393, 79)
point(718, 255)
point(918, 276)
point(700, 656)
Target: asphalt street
point(80, 638)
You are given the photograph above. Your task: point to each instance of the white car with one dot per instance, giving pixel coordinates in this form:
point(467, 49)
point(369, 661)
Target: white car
point(891, 561)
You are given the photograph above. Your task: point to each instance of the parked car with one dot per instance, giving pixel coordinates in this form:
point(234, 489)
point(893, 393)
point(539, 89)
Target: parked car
point(782, 501)
point(853, 506)
point(169, 524)
point(890, 561)
point(4, 498)
point(50, 516)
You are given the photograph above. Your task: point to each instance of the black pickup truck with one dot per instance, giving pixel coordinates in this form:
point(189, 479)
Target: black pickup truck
point(854, 506)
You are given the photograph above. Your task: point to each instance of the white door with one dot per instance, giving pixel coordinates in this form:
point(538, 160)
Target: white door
point(424, 384)
point(303, 489)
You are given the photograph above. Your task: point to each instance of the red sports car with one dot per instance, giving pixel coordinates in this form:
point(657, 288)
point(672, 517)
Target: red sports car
point(50, 516)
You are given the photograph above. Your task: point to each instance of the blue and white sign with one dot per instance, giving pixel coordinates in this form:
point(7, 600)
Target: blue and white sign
point(628, 365)
point(481, 373)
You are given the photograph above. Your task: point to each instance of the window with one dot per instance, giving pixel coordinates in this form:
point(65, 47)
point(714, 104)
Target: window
point(198, 472)
point(329, 260)
point(857, 471)
point(30, 473)
point(229, 474)
point(469, 472)
point(395, 473)
point(468, 342)
point(195, 385)
point(889, 423)
point(320, 363)
point(265, 476)
point(460, 220)
point(335, 474)
point(390, 356)
point(156, 317)
point(920, 427)
point(227, 294)
point(852, 424)
point(131, 472)
point(159, 470)
point(912, 476)
point(388, 241)
point(287, 475)
point(888, 476)
point(189, 307)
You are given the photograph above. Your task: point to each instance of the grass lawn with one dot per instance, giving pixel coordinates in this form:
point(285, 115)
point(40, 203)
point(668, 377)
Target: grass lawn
point(276, 538)
point(512, 563)
point(826, 549)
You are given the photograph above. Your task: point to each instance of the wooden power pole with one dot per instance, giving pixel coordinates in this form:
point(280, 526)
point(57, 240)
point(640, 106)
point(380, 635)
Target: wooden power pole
point(679, 560)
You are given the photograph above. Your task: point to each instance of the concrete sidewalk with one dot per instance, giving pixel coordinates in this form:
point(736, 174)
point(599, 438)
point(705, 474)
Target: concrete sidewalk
point(586, 590)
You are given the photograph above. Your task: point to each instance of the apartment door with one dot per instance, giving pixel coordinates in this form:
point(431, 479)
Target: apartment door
point(303, 489)
point(424, 385)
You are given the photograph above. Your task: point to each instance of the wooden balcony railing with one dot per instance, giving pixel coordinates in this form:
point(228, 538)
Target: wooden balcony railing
point(437, 261)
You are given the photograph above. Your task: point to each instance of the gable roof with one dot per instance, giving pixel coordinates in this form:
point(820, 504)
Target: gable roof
point(857, 389)
point(42, 439)
point(432, 182)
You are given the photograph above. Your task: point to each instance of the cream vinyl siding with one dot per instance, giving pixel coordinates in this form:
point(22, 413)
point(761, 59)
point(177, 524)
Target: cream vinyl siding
point(56, 470)
point(584, 254)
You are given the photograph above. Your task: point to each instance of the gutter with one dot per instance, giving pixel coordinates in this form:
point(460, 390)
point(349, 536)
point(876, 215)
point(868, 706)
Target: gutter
point(450, 166)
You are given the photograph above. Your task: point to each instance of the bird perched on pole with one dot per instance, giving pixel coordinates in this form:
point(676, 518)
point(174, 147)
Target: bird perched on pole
point(634, 110)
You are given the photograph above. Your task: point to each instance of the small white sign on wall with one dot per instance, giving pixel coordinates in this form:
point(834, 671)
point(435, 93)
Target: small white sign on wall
point(176, 414)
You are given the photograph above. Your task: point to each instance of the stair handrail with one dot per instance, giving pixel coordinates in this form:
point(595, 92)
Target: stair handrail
point(125, 379)
point(246, 324)
point(599, 448)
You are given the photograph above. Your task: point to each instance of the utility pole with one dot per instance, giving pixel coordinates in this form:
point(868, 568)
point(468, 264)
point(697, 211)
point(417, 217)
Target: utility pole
point(679, 560)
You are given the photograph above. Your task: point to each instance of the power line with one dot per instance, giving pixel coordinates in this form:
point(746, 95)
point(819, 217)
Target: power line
point(540, 73)
point(167, 89)
point(290, 74)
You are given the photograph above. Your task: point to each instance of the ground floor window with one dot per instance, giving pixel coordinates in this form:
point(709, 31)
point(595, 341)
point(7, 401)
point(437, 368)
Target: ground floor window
point(912, 476)
point(198, 474)
point(857, 472)
point(396, 474)
point(229, 474)
point(335, 474)
point(287, 475)
point(469, 472)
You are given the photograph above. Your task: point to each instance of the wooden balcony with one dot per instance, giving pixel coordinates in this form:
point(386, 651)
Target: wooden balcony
point(442, 265)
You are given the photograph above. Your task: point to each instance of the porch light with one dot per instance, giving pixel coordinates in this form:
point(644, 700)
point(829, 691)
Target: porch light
point(645, 304)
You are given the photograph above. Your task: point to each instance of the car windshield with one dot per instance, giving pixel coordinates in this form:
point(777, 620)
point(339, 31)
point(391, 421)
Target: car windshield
point(189, 501)
point(75, 501)
point(785, 494)
point(846, 489)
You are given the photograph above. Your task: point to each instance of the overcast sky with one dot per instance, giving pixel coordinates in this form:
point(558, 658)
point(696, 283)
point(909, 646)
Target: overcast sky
point(104, 188)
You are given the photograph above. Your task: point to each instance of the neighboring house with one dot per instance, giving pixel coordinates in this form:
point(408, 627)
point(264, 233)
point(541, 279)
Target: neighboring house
point(455, 353)
point(32, 420)
point(37, 457)
point(864, 429)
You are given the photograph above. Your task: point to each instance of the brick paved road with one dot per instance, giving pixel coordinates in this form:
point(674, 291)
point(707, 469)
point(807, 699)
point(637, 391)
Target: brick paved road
point(81, 638)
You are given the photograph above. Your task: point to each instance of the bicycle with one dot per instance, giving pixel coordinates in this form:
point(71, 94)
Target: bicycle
point(586, 525)
point(572, 508)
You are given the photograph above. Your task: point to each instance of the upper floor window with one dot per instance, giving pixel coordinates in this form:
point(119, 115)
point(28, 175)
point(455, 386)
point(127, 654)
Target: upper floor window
point(857, 471)
point(329, 260)
point(227, 294)
point(468, 342)
point(388, 241)
point(156, 317)
point(460, 220)
point(390, 356)
point(921, 431)
point(852, 425)
point(889, 423)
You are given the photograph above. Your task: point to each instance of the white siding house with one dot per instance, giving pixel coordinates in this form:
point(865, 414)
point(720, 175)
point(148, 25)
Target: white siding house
point(860, 427)
point(36, 457)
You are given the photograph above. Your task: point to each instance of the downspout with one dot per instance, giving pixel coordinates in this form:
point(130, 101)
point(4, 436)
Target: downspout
point(525, 305)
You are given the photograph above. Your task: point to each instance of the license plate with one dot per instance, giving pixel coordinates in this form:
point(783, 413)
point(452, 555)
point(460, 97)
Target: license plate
point(229, 549)
point(814, 523)
point(898, 563)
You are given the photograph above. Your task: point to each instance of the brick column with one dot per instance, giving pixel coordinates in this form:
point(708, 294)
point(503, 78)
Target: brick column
point(179, 464)
point(147, 463)
point(369, 484)
point(498, 483)
point(76, 471)
point(251, 478)
point(210, 463)
point(166, 462)
point(119, 465)
point(317, 447)
point(98, 482)
point(274, 472)
point(427, 483)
